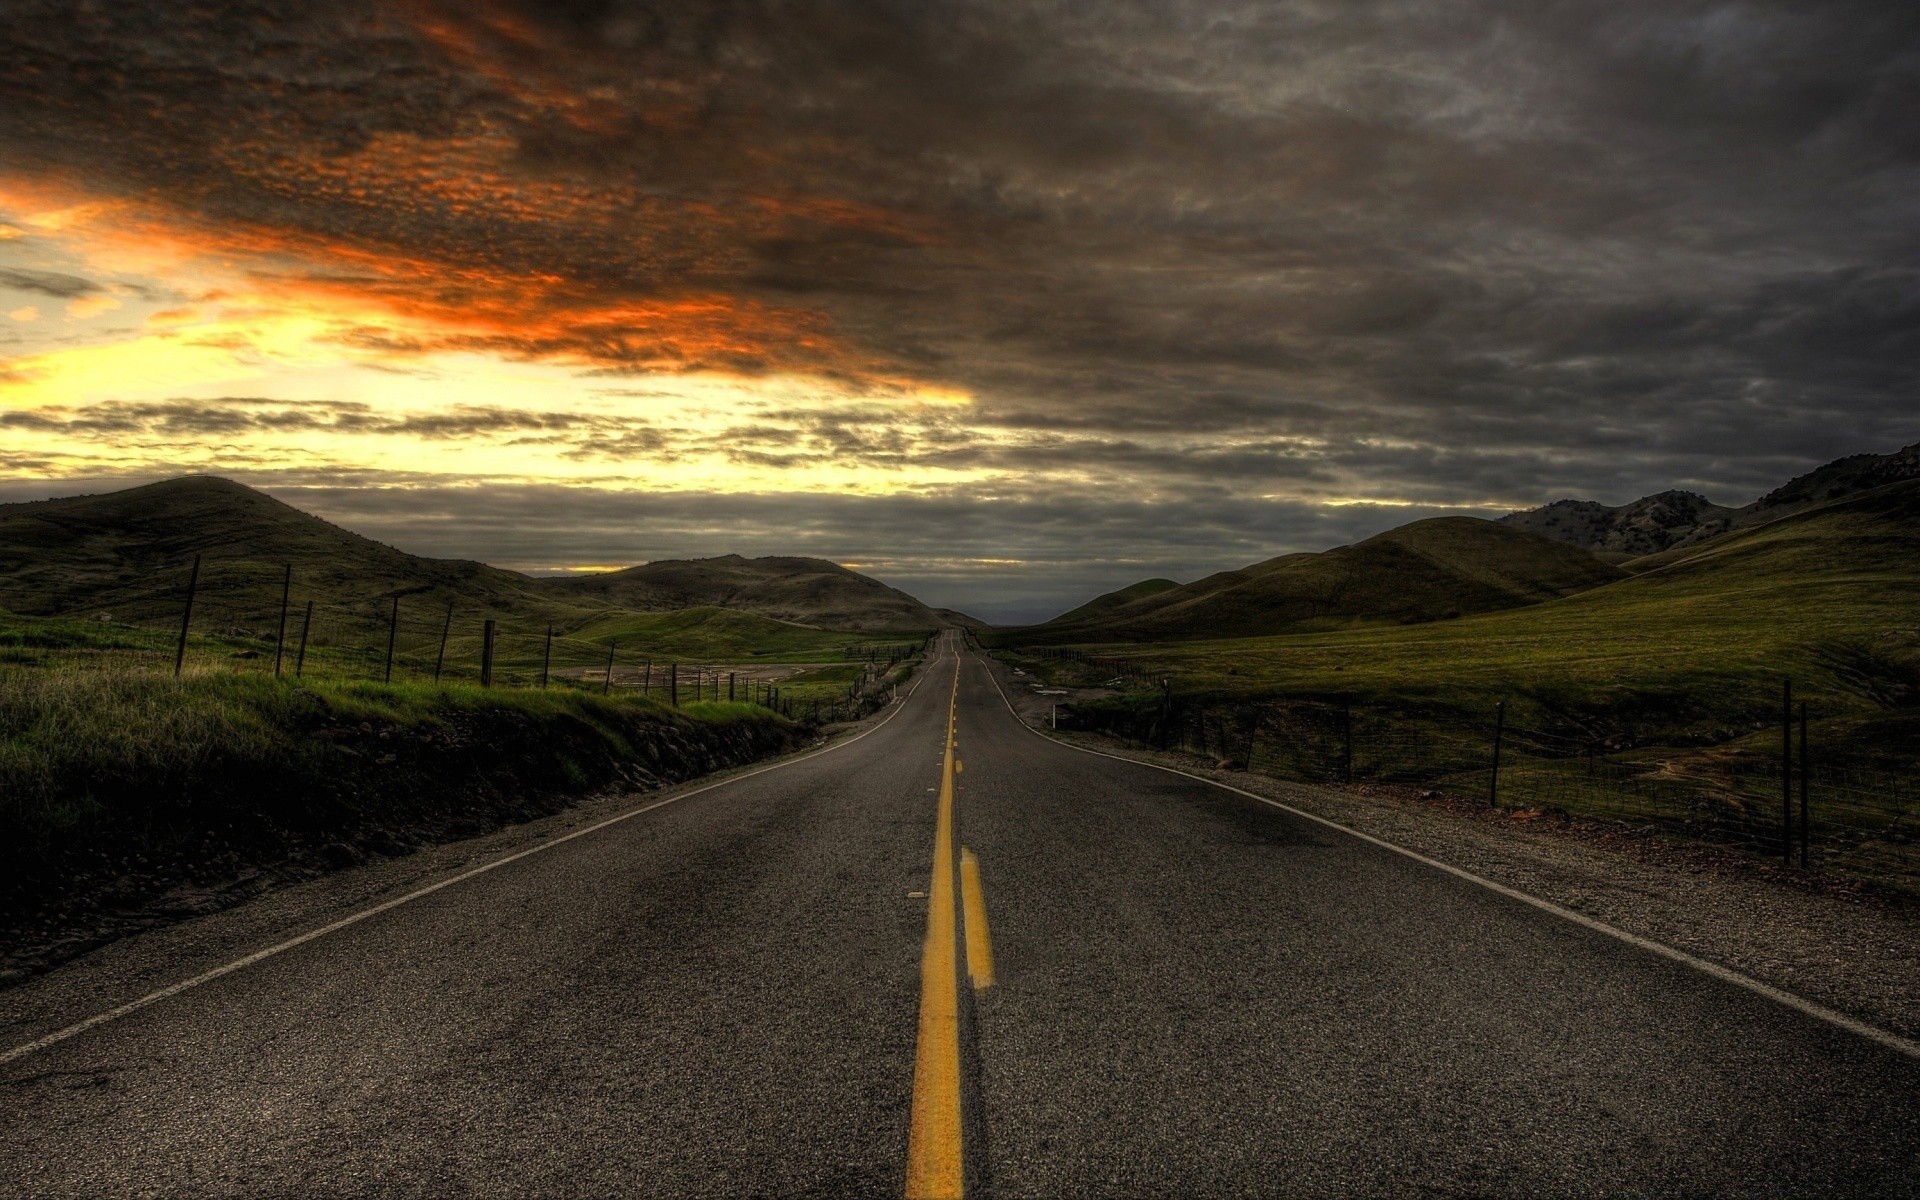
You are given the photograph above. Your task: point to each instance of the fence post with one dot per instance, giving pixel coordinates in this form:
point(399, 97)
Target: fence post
point(546, 659)
point(1346, 737)
point(280, 642)
point(306, 626)
point(729, 687)
point(606, 688)
point(486, 654)
point(673, 684)
point(1499, 731)
point(440, 659)
point(1786, 772)
point(186, 618)
point(1805, 831)
point(393, 632)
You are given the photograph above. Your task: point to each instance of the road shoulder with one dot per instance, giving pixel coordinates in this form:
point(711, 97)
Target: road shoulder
point(1852, 950)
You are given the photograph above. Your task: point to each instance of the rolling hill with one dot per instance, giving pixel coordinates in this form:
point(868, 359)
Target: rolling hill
point(126, 555)
point(1429, 570)
point(1108, 602)
point(1829, 595)
point(809, 591)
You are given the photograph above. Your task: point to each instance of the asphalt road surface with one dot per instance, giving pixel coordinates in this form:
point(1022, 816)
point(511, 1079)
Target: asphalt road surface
point(751, 991)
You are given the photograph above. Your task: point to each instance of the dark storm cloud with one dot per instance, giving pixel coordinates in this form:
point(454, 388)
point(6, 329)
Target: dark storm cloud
point(48, 283)
point(1436, 252)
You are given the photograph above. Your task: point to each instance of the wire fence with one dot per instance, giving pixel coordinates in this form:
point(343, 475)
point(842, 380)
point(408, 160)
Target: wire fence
point(1780, 793)
point(251, 617)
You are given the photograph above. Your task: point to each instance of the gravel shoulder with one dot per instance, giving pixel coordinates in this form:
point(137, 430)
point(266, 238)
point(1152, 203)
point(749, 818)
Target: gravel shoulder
point(1823, 938)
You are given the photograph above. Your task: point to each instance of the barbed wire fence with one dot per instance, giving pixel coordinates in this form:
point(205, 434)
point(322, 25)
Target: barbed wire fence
point(251, 617)
point(1778, 794)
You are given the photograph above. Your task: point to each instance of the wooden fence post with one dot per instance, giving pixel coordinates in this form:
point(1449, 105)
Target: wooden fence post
point(607, 687)
point(546, 659)
point(186, 618)
point(673, 684)
point(280, 641)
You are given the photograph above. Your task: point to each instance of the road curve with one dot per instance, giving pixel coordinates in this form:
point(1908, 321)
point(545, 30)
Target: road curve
point(1191, 994)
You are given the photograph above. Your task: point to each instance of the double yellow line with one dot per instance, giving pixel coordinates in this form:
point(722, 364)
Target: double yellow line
point(935, 1166)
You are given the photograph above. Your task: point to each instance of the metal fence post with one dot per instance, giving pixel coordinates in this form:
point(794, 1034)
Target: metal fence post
point(440, 659)
point(280, 642)
point(306, 627)
point(606, 688)
point(1346, 735)
point(393, 633)
point(186, 618)
point(1805, 831)
point(1499, 731)
point(1786, 772)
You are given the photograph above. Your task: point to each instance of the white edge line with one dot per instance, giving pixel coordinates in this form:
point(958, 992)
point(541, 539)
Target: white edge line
point(151, 998)
point(1891, 1041)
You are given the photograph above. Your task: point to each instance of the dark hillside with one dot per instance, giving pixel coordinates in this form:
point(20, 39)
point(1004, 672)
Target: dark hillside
point(127, 554)
point(807, 591)
point(1427, 571)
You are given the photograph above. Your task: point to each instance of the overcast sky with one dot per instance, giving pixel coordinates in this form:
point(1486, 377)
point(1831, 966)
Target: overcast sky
point(1007, 303)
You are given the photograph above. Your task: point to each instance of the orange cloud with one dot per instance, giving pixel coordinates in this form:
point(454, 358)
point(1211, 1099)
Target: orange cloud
point(411, 299)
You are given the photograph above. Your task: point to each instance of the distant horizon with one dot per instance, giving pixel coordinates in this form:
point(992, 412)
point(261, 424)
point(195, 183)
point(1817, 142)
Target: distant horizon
point(1012, 302)
point(974, 593)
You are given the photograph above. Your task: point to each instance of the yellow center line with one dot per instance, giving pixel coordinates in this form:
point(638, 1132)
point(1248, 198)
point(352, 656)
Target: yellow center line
point(934, 1164)
point(973, 906)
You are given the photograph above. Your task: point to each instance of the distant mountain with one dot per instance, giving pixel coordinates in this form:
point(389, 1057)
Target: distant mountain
point(1427, 571)
point(809, 591)
point(1672, 519)
point(126, 554)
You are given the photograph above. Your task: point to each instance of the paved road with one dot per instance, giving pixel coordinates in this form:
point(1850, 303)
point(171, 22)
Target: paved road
point(1193, 994)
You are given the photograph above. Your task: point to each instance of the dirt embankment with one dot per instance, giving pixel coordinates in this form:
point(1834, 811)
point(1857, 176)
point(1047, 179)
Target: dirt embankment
point(325, 784)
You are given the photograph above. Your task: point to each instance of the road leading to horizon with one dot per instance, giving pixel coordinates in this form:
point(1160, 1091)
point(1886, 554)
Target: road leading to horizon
point(1191, 994)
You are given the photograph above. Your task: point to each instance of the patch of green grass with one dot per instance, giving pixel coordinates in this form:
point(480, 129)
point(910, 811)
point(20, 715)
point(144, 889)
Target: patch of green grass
point(1698, 645)
point(1656, 698)
point(135, 773)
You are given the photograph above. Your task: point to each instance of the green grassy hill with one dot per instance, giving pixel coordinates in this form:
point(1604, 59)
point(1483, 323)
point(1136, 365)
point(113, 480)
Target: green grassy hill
point(1430, 570)
point(127, 554)
point(1107, 603)
point(1697, 637)
point(808, 591)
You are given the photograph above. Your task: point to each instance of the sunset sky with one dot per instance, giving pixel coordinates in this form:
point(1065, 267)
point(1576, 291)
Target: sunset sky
point(1005, 303)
